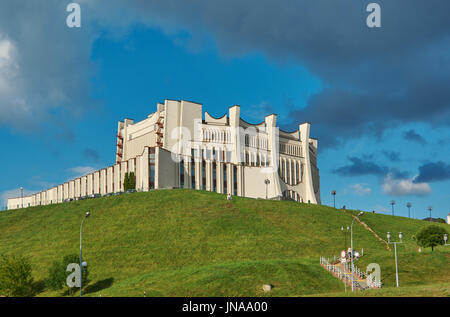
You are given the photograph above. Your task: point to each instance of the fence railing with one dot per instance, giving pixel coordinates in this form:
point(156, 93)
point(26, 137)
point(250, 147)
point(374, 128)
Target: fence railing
point(343, 271)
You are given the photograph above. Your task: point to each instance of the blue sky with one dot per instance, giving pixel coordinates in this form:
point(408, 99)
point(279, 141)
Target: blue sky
point(117, 71)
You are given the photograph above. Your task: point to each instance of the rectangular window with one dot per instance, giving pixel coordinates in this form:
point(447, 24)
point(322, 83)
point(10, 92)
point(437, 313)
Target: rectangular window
point(214, 177)
point(193, 168)
point(234, 180)
point(152, 168)
point(182, 174)
point(203, 175)
point(225, 188)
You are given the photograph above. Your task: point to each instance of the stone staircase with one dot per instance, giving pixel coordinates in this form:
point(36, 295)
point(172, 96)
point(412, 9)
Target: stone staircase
point(343, 271)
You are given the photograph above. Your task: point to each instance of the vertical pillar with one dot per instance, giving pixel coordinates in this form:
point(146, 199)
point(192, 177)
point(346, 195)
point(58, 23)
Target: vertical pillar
point(187, 172)
point(208, 171)
point(138, 173)
point(295, 172)
point(240, 180)
point(219, 177)
point(230, 179)
point(145, 170)
point(123, 170)
point(117, 178)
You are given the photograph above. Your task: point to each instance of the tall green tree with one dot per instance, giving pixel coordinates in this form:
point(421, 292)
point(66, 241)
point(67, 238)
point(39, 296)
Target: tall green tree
point(431, 236)
point(130, 181)
point(126, 182)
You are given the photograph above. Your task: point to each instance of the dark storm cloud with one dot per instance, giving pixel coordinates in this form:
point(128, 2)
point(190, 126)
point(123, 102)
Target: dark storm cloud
point(412, 135)
point(45, 67)
point(374, 78)
point(433, 172)
point(359, 167)
point(366, 165)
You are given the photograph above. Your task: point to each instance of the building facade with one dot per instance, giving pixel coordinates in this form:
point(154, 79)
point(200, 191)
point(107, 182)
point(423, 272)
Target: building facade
point(179, 147)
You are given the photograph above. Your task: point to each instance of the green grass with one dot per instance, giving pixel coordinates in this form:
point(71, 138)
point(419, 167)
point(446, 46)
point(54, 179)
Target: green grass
point(195, 243)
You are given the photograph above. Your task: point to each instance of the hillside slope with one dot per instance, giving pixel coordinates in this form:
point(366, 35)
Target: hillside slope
point(195, 243)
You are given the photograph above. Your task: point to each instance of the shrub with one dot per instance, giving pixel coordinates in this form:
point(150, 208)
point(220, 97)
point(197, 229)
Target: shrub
point(430, 236)
point(132, 181)
point(57, 274)
point(126, 182)
point(16, 276)
point(129, 181)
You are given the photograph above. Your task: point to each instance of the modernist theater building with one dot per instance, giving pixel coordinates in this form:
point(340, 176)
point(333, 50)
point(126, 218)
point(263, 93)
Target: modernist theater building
point(180, 146)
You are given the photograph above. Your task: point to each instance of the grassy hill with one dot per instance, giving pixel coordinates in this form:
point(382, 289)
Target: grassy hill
point(195, 243)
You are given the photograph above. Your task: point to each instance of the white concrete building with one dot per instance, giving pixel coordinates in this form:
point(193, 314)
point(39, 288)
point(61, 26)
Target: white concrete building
point(179, 147)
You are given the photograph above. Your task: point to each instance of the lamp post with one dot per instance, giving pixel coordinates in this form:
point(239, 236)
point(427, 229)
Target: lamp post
point(400, 235)
point(21, 195)
point(392, 203)
point(351, 235)
point(430, 209)
point(408, 204)
point(267, 182)
point(333, 192)
point(345, 236)
point(81, 251)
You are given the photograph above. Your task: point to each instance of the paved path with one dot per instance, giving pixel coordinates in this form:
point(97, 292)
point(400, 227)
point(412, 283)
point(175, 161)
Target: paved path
point(356, 278)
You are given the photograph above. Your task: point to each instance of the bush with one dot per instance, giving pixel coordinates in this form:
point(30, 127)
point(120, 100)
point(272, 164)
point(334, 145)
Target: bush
point(126, 182)
point(57, 274)
point(430, 236)
point(129, 181)
point(15, 276)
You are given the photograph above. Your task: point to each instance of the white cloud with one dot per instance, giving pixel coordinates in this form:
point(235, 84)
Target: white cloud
point(13, 193)
point(360, 190)
point(404, 187)
point(76, 172)
point(79, 171)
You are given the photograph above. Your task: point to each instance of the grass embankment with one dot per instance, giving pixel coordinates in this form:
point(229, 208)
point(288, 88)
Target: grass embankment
point(195, 243)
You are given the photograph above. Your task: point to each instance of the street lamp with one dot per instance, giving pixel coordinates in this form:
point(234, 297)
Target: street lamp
point(408, 204)
point(351, 234)
point(392, 203)
point(430, 209)
point(400, 235)
point(21, 195)
point(333, 192)
point(345, 236)
point(267, 182)
point(81, 252)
